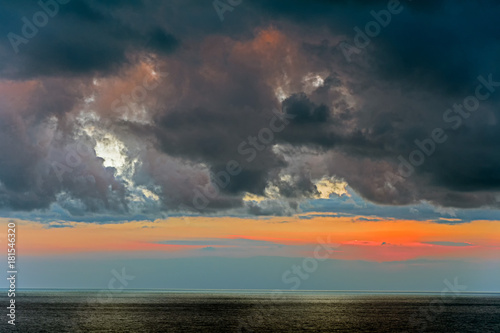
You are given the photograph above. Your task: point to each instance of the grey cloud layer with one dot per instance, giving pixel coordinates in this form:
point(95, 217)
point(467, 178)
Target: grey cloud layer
point(348, 120)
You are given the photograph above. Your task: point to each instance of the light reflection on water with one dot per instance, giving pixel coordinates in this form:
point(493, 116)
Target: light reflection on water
point(214, 311)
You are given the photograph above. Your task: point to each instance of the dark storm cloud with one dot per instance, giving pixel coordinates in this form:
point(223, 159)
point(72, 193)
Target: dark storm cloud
point(82, 38)
point(304, 111)
point(343, 119)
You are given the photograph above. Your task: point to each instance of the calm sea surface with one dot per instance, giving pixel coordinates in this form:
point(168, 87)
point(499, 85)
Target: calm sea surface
point(183, 311)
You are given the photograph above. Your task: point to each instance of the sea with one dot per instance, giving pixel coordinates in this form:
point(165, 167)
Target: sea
point(213, 311)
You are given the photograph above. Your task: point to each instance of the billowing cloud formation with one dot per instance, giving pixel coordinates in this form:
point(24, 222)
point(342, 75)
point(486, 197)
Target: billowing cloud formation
point(138, 109)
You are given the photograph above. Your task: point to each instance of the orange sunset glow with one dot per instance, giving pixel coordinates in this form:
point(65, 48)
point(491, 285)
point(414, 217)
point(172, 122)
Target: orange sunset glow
point(392, 240)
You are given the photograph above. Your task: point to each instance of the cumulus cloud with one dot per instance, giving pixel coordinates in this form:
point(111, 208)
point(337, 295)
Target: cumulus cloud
point(135, 109)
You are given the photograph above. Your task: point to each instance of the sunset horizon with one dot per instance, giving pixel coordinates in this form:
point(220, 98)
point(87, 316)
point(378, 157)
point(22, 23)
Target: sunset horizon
point(250, 166)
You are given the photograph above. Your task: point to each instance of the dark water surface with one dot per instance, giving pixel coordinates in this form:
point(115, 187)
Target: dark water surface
point(54, 312)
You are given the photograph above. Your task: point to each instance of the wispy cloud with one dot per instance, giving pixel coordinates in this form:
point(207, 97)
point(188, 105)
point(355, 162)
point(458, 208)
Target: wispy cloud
point(449, 243)
point(225, 242)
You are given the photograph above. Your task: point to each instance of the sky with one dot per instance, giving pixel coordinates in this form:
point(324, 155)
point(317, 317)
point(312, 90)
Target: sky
point(321, 144)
